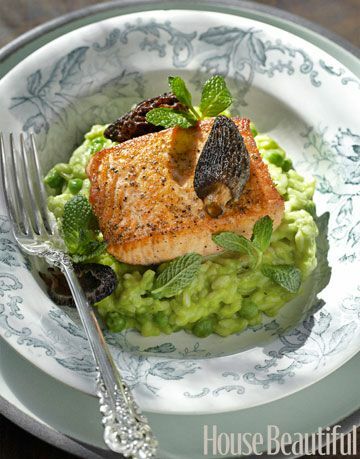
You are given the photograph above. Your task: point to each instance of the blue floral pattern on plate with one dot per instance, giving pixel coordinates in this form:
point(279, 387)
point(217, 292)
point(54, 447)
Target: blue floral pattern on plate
point(93, 81)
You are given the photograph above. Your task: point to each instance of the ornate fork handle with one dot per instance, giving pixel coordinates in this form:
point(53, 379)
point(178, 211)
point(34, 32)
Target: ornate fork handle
point(126, 429)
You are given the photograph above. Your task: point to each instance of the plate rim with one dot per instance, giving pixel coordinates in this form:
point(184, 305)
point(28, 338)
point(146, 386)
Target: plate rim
point(238, 5)
point(86, 450)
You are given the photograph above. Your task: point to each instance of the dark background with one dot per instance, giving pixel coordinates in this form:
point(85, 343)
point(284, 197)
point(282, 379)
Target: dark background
point(19, 16)
point(339, 16)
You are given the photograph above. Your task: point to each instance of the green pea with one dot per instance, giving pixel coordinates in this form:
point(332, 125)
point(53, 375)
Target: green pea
point(53, 179)
point(287, 165)
point(161, 319)
point(248, 310)
point(97, 145)
point(75, 185)
point(115, 322)
point(203, 327)
point(275, 157)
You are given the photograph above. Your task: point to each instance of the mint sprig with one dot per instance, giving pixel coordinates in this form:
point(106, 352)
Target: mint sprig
point(177, 275)
point(255, 247)
point(235, 243)
point(179, 89)
point(287, 276)
point(215, 98)
point(262, 232)
point(77, 228)
point(77, 216)
point(167, 118)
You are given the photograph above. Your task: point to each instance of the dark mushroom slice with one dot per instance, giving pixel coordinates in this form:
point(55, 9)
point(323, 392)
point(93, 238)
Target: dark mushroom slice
point(98, 282)
point(57, 287)
point(134, 124)
point(223, 168)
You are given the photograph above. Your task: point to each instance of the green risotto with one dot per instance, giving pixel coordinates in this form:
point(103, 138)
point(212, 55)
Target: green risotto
point(227, 295)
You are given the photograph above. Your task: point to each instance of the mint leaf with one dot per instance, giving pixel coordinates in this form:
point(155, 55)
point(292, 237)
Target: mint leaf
point(178, 87)
point(177, 275)
point(287, 276)
point(215, 97)
point(79, 229)
point(77, 216)
point(235, 243)
point(262, 232)
point(167, 118)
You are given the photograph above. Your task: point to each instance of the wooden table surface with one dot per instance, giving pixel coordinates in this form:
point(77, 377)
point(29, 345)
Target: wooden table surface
point(18, 16)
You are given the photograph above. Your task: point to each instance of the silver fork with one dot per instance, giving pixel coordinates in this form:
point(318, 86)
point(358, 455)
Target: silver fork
point(126, 429)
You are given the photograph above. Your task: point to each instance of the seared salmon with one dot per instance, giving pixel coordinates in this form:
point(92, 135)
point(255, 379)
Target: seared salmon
point(142, 193)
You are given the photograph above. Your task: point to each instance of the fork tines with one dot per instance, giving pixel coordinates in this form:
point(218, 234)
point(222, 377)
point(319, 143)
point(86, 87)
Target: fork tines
point(24, 191)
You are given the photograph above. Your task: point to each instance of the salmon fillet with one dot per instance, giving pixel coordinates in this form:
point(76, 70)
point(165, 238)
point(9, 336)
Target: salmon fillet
point(143, 196)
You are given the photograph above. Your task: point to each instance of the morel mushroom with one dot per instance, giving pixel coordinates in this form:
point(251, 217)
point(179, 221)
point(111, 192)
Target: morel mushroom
point(223, 167)
point(134, 124)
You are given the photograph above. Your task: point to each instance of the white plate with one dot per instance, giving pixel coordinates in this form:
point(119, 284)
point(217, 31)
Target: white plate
point(293, 90)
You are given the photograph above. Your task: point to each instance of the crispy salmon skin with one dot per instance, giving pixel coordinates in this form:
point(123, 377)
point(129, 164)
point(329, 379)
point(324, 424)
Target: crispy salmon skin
point(143, 195)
